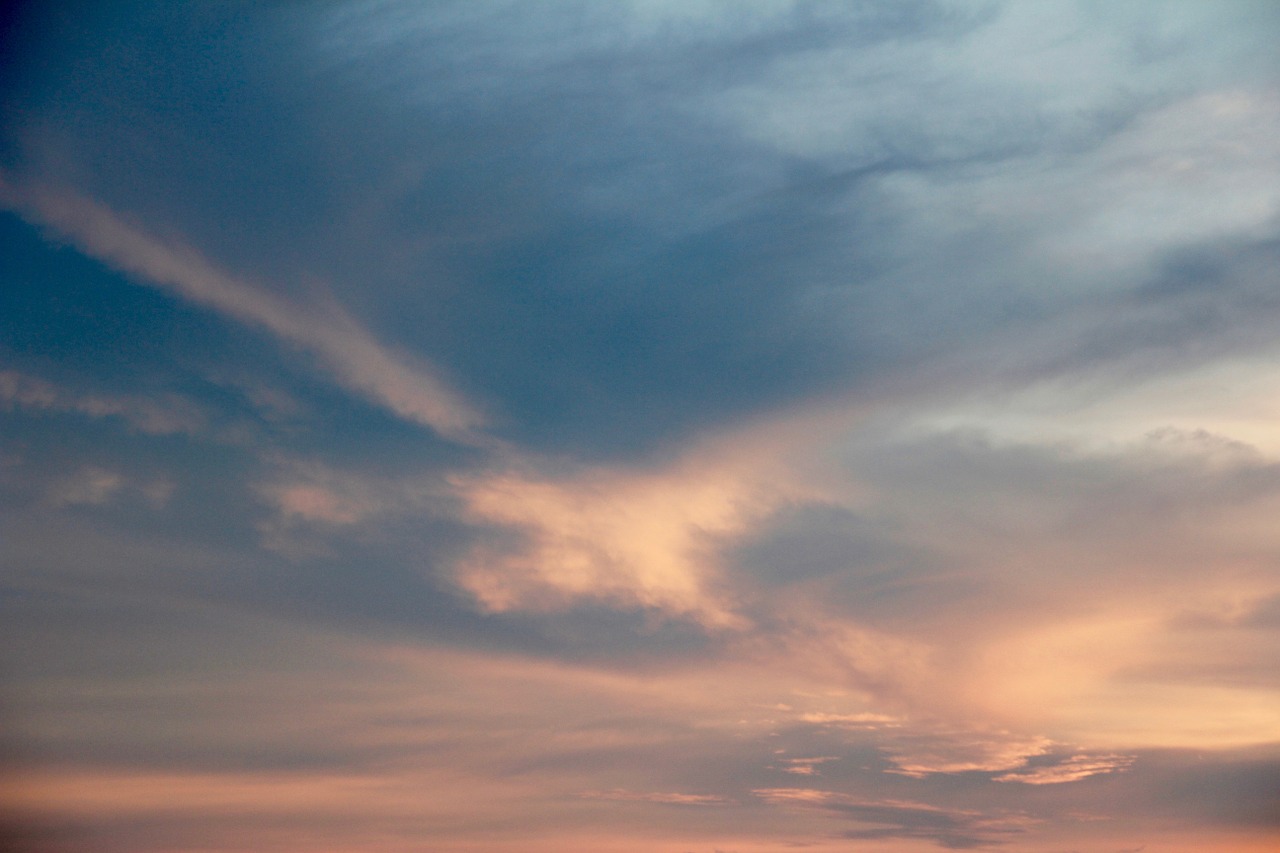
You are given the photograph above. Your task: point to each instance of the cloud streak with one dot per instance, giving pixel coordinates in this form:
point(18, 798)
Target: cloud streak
point(354, 356)
point(166, 416)
point(895, 819)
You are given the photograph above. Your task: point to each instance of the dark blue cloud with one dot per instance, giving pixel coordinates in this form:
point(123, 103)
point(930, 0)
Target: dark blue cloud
point(544, 202)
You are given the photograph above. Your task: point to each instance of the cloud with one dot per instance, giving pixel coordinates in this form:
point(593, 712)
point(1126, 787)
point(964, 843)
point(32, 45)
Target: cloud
point(95, 486)
point(91, 486)
point(806, 766)
point(1070, 769)
point(635, 541)
point(314, 504)
point(166, 416)
point(311, 491)
point(347, 349)
point(673, 798)
point(864, 720)
point(808, 541)
point(1265, 614)
point(959, 829)
point(659, 265)
point(1236, 788)
point(920, 751)
point(661, 537)
point(647, 537)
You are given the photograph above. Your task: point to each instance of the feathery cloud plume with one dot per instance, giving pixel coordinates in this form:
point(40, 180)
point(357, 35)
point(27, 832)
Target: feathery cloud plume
point(347, 349)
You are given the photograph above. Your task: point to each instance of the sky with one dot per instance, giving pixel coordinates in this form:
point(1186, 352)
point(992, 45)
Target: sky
point(639, 427)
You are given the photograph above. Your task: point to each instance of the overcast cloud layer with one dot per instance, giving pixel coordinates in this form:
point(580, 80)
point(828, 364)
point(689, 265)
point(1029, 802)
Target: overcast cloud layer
point(639, 427)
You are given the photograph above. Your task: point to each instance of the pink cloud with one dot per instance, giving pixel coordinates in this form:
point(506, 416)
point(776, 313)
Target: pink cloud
point(1072, 769)
point(162, 416)
point(667, 798)
point(633, 540)
point(405, 385)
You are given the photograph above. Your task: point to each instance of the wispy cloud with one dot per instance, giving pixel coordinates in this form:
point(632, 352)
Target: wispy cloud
point(672, 798)
point(864, 720)
point(163, 416)
point(897, 819)
point(312, 503)
point(806, 766)
point(1070, 769)
point(91, 486)
point(96, 486)
point(356, 358)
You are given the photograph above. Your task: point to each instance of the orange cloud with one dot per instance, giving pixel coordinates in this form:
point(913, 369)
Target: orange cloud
point(629, 540)
point(1071, 770)
point(644, 538)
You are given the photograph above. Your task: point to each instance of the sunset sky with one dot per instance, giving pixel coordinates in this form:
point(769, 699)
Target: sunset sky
point(644, 426)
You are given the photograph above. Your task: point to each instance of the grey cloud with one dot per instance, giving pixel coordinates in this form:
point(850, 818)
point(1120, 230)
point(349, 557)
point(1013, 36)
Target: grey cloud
point(1230, 788)
point(949, 828)
point(1227, 788)
point(807, 541)
point(1059, 488)
point(1201, 303)
point(1264, 614)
